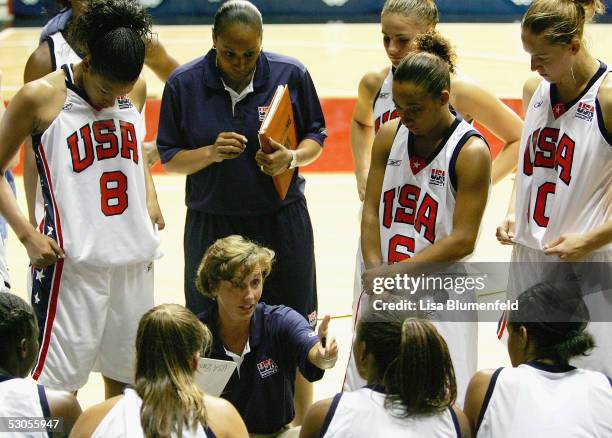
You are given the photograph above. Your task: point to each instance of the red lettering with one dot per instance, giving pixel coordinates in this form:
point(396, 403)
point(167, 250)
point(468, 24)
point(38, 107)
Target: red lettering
point(426, 217)
point(113, 193)
point(408, 198)
point(388, 198)
point(546, 151)
point(565, 157)
point(104, 134)
point(396, 242)
point(79, 164)
point(129, 142)
point(539, 211)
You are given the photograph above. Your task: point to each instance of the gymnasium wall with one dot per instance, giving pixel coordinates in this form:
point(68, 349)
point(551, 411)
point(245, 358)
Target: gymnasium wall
point(337, 155)
point(317, 10)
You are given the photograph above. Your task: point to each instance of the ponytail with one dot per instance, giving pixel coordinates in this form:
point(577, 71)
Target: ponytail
point(559, 21)
point(169, 337)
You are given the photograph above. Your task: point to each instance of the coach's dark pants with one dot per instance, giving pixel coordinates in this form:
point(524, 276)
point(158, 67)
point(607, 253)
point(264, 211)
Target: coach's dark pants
point(288, 232)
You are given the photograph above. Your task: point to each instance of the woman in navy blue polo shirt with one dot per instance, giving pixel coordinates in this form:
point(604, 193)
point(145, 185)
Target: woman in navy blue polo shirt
point(267, 342)
point(211, 111)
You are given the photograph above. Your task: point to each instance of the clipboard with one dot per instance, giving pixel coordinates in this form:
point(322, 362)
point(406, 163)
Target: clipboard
point(213, 375)
point(279, 124)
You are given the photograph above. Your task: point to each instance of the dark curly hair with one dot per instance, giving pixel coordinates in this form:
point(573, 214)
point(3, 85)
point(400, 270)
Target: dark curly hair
point(411, 360)
point(112, 34)
point(555, 317)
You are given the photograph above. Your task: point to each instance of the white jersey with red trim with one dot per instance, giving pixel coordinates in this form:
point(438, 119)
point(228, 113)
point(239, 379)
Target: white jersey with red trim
point(91, 170)
point(417, 200)
point(362, 413)
point(565, 166)
point(22, 399)
point(61, 52)
point(539, 400)
point(123, 421)
point(384, 108)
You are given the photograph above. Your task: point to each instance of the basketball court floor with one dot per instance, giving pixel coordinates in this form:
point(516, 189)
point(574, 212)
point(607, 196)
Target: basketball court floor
point(337, 55)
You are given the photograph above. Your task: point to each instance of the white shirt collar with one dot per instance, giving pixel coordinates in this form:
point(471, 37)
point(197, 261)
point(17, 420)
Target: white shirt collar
point(236, 358)
point(237, 97)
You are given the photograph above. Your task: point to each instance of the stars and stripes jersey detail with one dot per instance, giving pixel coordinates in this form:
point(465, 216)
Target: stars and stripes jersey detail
point(565, 166)
point(362, 413)
point(22, 398)
point(61, 52)
point(384, 107)
point(540, 400)
point(91, 173)
point(123, 421)
point(417, 200)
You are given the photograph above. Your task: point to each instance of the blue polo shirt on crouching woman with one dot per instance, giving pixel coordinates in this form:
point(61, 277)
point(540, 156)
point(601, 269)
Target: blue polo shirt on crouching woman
point(262, 389)
point(196, 107)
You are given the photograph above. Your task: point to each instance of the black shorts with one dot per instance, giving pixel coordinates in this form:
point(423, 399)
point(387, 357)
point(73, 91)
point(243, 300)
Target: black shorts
point(287, 231)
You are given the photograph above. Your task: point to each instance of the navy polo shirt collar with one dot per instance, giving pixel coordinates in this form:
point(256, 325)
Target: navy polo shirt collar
point(256, 328)
point(212, 76)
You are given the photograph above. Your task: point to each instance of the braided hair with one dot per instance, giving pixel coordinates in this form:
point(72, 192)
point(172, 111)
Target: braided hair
point(17, 322)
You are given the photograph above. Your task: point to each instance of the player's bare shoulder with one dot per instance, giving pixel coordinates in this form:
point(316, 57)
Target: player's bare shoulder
point(604, 97)
point(44, 97)
point(385, 137)
point(138, 95)
point(529, 88)
point(39, 63)
point(371, 82)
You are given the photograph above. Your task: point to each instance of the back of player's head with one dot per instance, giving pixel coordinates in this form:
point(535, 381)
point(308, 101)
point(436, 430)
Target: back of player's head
point(237, 12)
point(17, 323)
point(168, 341)
point(231, 258)
point(112, 34)
point(425, 11)
point(555, 317)
point(412, 361)
point(430, 65)
point(559, 21)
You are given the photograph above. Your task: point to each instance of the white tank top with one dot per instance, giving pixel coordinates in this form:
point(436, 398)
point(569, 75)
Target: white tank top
point(417, 200)
point(384, 108)
point(22, 398)
point(92, 177)
point(123, 421)
point(536, 400)
point(565, 166)
point(362, 413)
point(61, 52)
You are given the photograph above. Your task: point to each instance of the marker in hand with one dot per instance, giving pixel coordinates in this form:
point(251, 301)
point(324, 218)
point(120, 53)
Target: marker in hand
point(327, 351)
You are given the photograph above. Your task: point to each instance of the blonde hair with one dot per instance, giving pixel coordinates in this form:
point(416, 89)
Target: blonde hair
point(559, 21)
point(231, 258)
point(169, 336)
point(424, 10)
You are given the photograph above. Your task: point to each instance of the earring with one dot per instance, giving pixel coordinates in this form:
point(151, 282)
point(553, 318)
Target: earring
point(572, 72)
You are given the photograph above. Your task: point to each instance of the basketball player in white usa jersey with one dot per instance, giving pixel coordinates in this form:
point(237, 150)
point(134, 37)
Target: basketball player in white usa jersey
point(563, 193)
point(409, 393)
point(165, 400)
point(543, 395)
point(20, 397)
point(427, 189)
point(92, 253)
point(401, 22)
